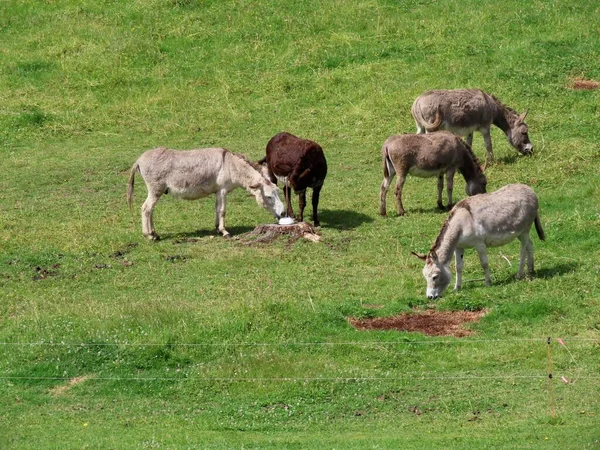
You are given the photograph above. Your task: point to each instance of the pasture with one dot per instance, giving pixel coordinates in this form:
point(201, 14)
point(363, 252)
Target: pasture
point(110, 341)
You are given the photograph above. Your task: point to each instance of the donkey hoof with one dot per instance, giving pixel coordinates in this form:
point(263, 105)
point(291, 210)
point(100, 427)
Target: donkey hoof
point(152, 236)
point(226, 235)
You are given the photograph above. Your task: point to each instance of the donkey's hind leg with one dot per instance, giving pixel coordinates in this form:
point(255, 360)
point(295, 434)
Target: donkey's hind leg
point(147, 210)
point(388, 176)
point(526, 252)
point(483, 259)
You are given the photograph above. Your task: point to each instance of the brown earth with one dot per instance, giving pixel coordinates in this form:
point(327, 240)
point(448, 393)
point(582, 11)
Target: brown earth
point(432, 323)
point(583, 84)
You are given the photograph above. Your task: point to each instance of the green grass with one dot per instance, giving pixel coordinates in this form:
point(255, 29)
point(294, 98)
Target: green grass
point(203, 344)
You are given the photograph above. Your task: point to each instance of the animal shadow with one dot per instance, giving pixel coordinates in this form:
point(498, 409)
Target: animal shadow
point(545, 273)
point(341, 219)
point(192, 236)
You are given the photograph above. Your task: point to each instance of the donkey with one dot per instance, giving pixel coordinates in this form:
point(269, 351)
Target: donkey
point(429, 155)
point(299, 164)
point(464, 111)
point(193, 174)
point(487, 220)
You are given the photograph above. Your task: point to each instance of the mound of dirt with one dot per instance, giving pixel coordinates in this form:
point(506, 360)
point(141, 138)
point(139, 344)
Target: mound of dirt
point(432, 323)
point(269, 232)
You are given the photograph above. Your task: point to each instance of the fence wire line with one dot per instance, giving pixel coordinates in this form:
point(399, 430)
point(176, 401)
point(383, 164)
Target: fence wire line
point(296, 379)
point(283, 344)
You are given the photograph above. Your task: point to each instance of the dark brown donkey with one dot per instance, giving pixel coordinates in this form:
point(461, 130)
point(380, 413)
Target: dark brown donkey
point(299, 164)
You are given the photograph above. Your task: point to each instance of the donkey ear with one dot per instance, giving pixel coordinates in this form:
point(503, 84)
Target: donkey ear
point(304, 174)
point(483, 166)
point(522, 116)
point(433, 255)
point(421, 256)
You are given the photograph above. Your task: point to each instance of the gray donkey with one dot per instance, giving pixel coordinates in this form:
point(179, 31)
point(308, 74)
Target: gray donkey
point(464, 111)
point(193, 174)
point(429, 155)
point(486, 220)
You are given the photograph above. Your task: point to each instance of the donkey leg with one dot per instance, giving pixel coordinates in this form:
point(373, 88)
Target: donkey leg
point(301, 204)
point(399, 185)
point(482, 252)
point(526, 253)
point(440, 189)
point(469, 139)
point(287, 193)
point(450, 186)
point(220, 213)
point(488, 145)
point(315, 205)
point(385, 185)
point(458, 256)
point(147, 210)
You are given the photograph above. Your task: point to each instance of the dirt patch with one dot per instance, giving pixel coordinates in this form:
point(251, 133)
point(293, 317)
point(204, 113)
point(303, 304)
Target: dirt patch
point(263, 234)
point(583, 84)
point(60, 390)
point(41, 273)
point(432, 323)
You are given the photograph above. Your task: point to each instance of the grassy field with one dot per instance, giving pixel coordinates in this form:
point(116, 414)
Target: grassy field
point(109, 341)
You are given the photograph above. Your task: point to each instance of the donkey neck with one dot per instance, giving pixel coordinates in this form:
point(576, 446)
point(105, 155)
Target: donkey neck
point(241, 171)
point(504, 117)
point(447, 240)
point(468, 166)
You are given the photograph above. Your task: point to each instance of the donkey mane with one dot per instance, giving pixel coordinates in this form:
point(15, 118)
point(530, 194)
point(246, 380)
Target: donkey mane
point(502, 106)
point(245, 159)
point(440, 237)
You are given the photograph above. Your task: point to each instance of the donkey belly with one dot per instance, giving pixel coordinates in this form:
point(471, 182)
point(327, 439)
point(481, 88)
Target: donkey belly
point(499, 239)
point(191, 192)
point(424, 173)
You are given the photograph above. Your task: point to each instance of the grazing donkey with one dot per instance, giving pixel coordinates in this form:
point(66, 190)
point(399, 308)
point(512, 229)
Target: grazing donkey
point(193, 174)
point(464, 111)
point(299, 164)
point(429, 155)
point(487, 220)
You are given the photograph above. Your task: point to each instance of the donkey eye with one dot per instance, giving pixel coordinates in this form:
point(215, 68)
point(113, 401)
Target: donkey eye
point(435, 277)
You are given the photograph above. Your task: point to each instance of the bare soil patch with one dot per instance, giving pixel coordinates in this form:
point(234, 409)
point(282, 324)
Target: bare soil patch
point(432, 323)
point(583, 84)
point(60, 390)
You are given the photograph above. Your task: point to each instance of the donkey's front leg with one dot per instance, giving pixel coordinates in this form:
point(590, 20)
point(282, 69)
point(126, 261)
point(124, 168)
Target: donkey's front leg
point(301, 204)
point(450, 186)
point(440, 189)
point(220, 213)
point(482, 252)
point(458, 256)
point(488, 145)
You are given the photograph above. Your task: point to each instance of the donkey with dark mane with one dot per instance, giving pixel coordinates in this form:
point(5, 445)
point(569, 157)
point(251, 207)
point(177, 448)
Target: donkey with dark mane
point(487, 220)
point(193, 174)
point(299, 164)
point(464, 111)
point(429, 155)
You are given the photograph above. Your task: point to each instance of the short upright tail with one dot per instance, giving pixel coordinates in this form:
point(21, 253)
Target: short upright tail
point(134, 169)
point(539, 229)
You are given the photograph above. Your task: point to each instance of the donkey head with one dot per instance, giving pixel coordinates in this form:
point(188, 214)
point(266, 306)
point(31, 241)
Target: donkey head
point(436, 274)
point(518, 136)
point(477, 184)
point(267, 196)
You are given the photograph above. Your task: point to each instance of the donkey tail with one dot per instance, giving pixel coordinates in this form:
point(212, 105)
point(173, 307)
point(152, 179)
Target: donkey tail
point(385, 158)
point(134, 169)
point(539, 229)
point(417, 114)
